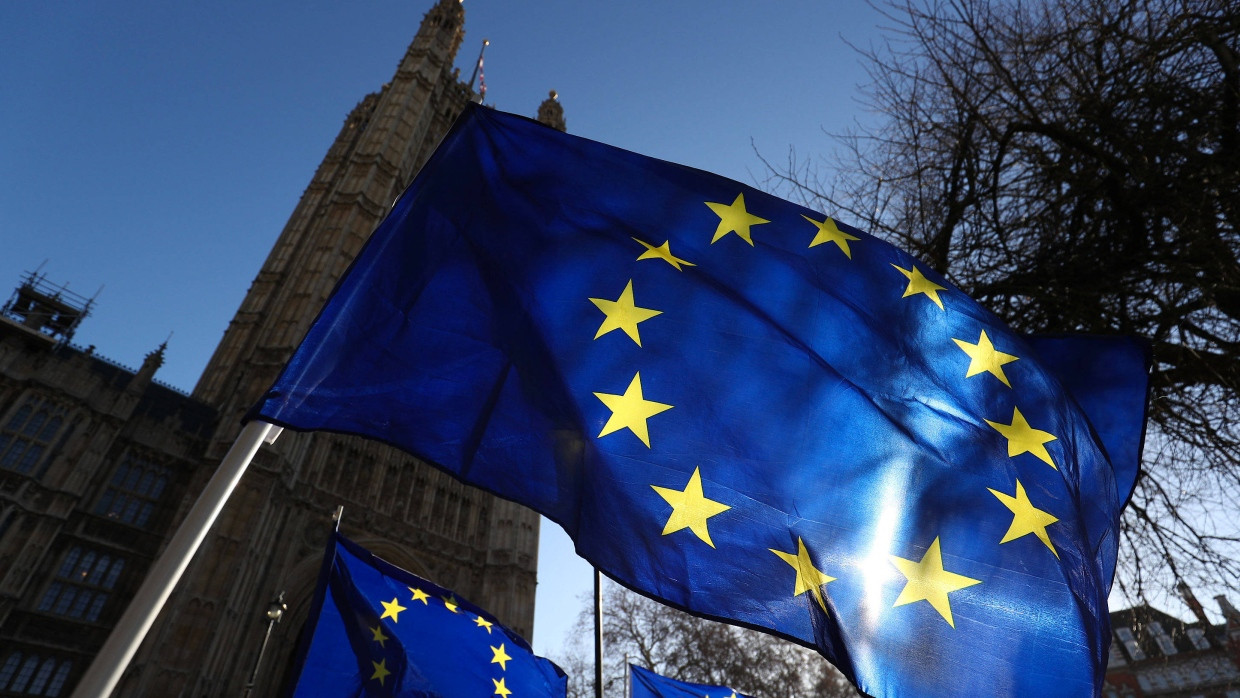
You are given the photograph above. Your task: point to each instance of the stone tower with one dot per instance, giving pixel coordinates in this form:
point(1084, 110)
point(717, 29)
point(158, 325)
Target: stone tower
point(271, 535)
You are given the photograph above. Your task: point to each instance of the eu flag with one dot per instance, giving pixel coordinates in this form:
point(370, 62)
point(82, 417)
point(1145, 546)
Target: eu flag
point(739, 406)
point(377, 630)
point(644, 683)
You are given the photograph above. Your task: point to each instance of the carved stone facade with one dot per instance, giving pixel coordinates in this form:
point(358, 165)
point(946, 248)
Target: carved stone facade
point(94, 459)
point(271, 535)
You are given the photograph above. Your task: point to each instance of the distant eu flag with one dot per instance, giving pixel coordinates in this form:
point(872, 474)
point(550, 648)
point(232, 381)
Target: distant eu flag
point(644, 683)
point(377, 630)
point(739, 406)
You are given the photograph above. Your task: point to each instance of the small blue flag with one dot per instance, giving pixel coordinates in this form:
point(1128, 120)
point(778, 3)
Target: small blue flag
point(647, 684)
point(378, 630)
point(742, 407)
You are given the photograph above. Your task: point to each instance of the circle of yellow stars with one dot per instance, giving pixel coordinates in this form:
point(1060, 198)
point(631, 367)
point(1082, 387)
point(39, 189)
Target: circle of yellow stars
point(392, 609)
point(926, 578)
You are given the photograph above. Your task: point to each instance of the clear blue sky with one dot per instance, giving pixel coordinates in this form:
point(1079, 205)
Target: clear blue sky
point(156, 149)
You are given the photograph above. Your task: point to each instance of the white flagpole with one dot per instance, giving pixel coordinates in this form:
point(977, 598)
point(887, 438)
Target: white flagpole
point(105, 671)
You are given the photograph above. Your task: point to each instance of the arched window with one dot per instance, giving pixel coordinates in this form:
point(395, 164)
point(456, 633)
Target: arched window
point(81, 587)
point(40, 678)
point(26, 439)
point(9, 668)
point(24, 675)
point(33, 674)
point(58, 681)
point(20, 416)
point(135, 489)
point(36, 422)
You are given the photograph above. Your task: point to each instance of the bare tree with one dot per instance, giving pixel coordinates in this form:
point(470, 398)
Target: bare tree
point(1075, 166)
point(640, 631)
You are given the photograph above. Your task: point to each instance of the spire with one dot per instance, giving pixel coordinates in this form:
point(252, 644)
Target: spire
point(150, 365)
point(478, 74)
point(551, 113)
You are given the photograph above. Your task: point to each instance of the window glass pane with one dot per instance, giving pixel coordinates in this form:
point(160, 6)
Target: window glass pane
point(23, 413)
point(160, 484)
point(84, 597)
point(49, 596)
point(1198, 636)
point(132, 480)
point(9, 668)
point(101, 567)
point(58, 681)
point(131, 510)
point(121, 474)
point(95, 608)
point(40, 679)
point(50, 430)
point(105, 501)
point(31, 458)
point(23, 676)
point(4, 442)
point(66, 598)
point(145, 514)
point(83, 568)
point(36, 422)
point(144, 487)
point(66, 569)
point(113, 573)
point(118, 506)
point(19, 447)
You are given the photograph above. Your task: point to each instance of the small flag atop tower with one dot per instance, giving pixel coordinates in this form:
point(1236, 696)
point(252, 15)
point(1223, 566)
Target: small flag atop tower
point(478, 74)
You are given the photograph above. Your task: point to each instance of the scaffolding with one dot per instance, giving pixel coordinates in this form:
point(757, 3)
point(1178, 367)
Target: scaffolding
point(48, 308)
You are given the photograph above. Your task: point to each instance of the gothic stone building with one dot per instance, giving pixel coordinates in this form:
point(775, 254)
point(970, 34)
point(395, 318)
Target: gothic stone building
point(98, 463)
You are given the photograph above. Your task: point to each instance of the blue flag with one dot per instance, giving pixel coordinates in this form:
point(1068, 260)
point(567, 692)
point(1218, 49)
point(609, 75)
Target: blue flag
point(647, 684)
point(737, 405)
point(378, 630)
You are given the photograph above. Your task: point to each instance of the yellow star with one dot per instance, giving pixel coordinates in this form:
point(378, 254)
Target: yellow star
point(377, 635)
point(450, 604)
point(920, 284)
point(734, 219)
point(500, 688)
point(828, 231)
point(809, 578)
point(381, 671)
point(630, 410)
point(690, 508)
point(663, 252)
point(623, 314)
point(391, 610)
point(419, 595)
point(984, 358)
point(1026, 518)
point(928, 581)
point(1023, 438)
point(483, 623)
point(500, 657)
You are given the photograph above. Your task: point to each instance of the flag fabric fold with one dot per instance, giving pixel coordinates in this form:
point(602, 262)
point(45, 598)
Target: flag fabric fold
point(739, 406)
point(644, 683)
point(378, 630)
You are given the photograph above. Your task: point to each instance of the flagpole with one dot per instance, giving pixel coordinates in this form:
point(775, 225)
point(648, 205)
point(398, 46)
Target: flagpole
point(105, 671)
point(598, 633)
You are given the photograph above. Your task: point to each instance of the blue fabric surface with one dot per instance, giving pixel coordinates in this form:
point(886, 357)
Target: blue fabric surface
point(378, 630)
point(644, 683)
point(738, 406)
